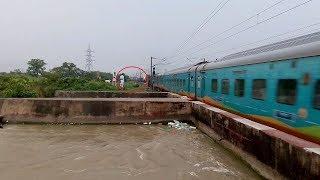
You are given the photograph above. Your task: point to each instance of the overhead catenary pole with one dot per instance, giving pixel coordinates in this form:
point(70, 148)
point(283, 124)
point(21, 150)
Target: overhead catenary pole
point(151, 73)
point(152, 69)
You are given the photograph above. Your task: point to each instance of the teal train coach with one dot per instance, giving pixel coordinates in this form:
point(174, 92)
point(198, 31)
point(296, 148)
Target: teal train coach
point(276, 84)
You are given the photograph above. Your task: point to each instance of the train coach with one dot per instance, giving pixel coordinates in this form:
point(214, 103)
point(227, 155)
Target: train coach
point(276, 84)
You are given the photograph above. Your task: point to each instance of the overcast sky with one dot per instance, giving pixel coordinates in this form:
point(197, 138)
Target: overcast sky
point(128, 32)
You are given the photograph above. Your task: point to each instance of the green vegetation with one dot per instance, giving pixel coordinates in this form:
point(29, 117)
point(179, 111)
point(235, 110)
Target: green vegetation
point(40, 83)
point(131, 85)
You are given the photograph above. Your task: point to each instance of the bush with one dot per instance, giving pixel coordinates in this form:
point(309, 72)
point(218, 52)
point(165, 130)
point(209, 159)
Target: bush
point(17, 87)
point(23, 86)
point(131, 85)
point(44, 84)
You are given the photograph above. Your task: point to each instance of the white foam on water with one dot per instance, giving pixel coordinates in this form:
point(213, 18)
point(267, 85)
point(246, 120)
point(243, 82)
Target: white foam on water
point(181, 126)
point(217, 169)
point(193, 174)
point(141, 153)
point(79, 158)
point(74, 171)
point(197, 165)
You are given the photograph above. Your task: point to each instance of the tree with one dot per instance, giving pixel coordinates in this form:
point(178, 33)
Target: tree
point(105, 75)
point(126, 77)
point(16, 71)
point(68, 70)
point(36, 67)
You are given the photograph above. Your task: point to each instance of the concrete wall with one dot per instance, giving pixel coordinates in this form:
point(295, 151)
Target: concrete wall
point(291, 156)
point(81, 110)
point(110, 94)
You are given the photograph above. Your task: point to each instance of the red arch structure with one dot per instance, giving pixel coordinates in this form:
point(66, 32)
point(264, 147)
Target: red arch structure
point(132, 67)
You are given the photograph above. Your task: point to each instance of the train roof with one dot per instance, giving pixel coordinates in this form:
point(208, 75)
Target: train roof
point(303, 46)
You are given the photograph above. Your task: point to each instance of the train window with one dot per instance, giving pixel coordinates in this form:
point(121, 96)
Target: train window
point(317, 96)
point(239, 87)
point(287, 91)
point(214, 85)
point(259, 89)
point(225, 86)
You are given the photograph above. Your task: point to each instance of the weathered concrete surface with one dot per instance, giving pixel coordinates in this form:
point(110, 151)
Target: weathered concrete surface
point(110, 94)
point(97, 110)
point(291, 156)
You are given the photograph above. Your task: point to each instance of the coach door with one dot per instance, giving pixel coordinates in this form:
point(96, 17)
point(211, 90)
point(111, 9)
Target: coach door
point(200, 84)
point(203, 84)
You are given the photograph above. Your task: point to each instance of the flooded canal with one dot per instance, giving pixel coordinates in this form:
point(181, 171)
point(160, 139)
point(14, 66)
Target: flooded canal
point(128, 152)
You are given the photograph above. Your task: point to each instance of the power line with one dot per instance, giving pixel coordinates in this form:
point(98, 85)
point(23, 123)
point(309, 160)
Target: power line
point(169, 63)
point(250, 27)
point(274, 36)
point(233, 27)
point(205, 21)
point(271, 37)
point(265, 39)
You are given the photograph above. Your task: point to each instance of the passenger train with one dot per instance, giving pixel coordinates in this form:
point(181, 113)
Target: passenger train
point(276, 84)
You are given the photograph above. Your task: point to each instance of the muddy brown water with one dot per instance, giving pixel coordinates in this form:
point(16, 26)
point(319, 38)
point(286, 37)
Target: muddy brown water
point(128, 152)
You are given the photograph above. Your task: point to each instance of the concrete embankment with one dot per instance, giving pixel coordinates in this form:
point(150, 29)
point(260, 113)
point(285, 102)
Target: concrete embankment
point(94, 110)
point(291, 156)
point(110, 94)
